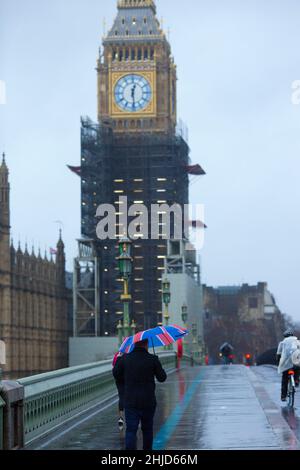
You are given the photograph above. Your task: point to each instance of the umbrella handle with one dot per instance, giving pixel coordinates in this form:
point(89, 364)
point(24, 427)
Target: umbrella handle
point(153, 346)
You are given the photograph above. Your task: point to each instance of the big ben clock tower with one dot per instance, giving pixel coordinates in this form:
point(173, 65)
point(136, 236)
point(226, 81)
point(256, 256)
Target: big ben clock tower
point(137, 75)
point(134, 151)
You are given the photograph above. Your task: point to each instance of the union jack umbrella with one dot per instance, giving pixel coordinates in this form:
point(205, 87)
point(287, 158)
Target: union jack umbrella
point(157, 337)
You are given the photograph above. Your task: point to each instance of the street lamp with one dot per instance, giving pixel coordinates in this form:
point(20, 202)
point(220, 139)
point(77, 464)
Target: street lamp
point(2, 359)
point(166, 299)
point(184, 316)
point(125, 267)
point(200, 343)
point(166, 292)
point(194, 334)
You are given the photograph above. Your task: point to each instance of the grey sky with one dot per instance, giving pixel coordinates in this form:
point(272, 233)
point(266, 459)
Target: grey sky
point(236, 62)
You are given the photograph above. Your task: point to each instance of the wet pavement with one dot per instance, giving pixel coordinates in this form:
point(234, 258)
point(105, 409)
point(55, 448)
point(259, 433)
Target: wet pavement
point(218, 407)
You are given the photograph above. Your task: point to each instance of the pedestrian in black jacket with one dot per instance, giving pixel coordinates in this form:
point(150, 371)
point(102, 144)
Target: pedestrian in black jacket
point(138, 370)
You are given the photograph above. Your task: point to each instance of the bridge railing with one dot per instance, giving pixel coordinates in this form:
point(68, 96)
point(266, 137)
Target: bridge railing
point(53, 398)
point(35, 406)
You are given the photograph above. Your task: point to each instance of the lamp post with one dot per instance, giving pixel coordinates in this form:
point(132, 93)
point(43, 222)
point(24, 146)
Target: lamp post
point(125, 266)
point(194, 334)
point(184, 317)
point(166, 299)
point(200, 344)
point(2, 359)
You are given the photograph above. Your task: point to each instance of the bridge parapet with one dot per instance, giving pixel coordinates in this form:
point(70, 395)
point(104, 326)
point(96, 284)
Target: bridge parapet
point(53, 398)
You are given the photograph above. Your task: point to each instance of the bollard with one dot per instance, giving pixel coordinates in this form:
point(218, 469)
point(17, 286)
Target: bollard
point(13, 416)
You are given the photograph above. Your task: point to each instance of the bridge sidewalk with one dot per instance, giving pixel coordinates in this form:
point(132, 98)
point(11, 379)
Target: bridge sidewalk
point(219, 407)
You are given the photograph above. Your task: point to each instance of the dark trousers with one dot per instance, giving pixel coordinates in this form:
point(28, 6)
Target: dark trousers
point(285, 381)
point(133, 418)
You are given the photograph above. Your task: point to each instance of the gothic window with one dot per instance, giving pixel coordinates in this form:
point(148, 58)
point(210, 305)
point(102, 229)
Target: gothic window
point(139, 54)
point(123, 20)
point(145, 20)
point(132, 54)
point(120, 55)
point(126, 54)
point(152, 54)
point(134, 21)
point(145, 53)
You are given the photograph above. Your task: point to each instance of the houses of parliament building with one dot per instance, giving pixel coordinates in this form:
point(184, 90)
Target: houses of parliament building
point(33, 301)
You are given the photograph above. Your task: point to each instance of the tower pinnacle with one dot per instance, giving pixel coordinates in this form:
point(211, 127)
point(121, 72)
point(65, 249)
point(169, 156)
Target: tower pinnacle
point(137, 4)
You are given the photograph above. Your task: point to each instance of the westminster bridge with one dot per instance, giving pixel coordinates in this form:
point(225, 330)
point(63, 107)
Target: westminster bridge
point(213, 407)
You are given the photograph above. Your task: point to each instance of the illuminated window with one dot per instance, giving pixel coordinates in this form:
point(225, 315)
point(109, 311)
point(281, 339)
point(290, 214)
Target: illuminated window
point(106, 270)
point(137, 180)
point(161, 190)
point(160, 269)
point(138, 202)
point(161, 179)
point(119, 191)
point(161, 202)
point(119, 181)
point(161, 257)
point(138, 190)
point(139, 279)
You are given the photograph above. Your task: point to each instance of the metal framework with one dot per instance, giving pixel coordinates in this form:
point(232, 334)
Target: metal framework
point(86, 290)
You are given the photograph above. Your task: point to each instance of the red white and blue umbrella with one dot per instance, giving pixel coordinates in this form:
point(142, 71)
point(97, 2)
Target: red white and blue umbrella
point(157, 337)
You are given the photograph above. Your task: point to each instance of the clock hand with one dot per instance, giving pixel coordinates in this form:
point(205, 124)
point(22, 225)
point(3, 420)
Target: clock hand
point(133, 93)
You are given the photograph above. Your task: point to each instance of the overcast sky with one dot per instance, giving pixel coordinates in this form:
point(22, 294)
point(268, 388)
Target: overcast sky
point(236, 61)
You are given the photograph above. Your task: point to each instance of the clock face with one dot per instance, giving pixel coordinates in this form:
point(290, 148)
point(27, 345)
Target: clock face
point(133, 93)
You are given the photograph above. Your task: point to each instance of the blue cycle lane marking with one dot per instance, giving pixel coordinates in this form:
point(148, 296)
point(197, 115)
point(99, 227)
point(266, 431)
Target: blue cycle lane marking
point(166, 431)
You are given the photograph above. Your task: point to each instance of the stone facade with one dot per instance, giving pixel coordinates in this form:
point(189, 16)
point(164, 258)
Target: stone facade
point(245, 316)
point(33, 302)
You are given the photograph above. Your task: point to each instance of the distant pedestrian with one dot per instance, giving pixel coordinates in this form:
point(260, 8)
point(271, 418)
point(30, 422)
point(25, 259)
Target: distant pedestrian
point(120, 388)
point(138, 371)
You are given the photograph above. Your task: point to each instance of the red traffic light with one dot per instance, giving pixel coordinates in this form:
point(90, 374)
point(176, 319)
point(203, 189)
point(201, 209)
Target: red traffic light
point(248, 356)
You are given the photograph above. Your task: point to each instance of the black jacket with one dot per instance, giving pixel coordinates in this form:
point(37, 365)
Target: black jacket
point(138, 370)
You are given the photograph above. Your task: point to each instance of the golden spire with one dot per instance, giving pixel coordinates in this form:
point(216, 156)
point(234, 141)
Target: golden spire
point(137, 4)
